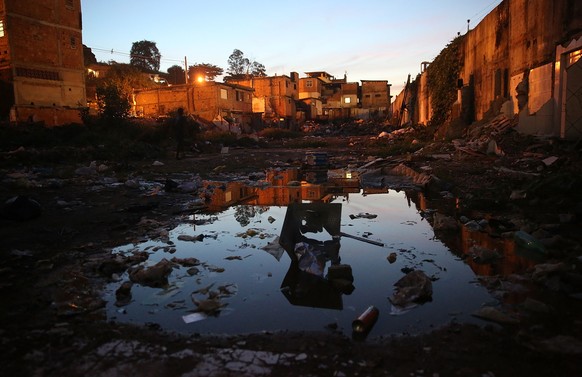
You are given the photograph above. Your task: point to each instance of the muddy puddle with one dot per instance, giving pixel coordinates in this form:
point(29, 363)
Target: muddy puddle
point(307, 253)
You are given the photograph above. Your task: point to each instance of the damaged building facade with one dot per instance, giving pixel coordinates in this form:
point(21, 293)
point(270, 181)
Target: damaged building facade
point(327, 98)
point(274, 97)
point(42, 77)
point(523, 60)
point(229, 106)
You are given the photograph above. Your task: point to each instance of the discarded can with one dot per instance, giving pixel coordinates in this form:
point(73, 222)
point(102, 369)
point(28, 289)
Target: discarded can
point(364, 323)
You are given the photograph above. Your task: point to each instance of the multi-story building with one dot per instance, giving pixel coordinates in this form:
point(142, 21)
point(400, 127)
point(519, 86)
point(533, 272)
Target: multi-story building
point(42, 77)
point(309, 95)
point(376, 96)
point(274, 97)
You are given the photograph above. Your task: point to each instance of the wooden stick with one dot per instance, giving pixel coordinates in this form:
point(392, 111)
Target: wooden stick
point(362, 239)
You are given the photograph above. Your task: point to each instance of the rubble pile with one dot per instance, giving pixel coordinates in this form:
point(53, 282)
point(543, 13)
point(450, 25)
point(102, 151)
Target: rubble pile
point(358, 127)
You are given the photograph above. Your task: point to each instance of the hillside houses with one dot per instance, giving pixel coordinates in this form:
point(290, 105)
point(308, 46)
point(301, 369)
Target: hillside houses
point(43, 78)
point(281, 100)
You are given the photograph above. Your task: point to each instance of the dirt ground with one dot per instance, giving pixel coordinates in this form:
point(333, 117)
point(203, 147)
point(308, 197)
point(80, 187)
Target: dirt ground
point(53, 268)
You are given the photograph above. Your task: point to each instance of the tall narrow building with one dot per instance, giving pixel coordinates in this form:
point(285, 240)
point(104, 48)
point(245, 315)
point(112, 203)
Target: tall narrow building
point(42, 75)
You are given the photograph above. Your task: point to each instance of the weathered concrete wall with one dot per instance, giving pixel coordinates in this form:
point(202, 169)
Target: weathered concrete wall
point(515, 43)
point(160, 101)
point(375, 94)
point(209, 101)
point(50, 116)
point(486, 57)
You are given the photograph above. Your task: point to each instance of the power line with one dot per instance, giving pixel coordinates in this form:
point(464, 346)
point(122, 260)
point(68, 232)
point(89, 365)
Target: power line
point(114, 52)
point(487, 9)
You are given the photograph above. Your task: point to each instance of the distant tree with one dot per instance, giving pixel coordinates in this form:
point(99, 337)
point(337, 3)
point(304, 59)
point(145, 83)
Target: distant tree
point(257, 69)
point(88, 56)
point(114, 91)
point(240, 67)
point(237, 64)
point(208, 71)
point(112, 102)
point(176, 75)
point(145, 55)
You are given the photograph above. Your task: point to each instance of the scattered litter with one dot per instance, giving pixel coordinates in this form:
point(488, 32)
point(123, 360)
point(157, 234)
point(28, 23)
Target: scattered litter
point(188, 238)
point(363, 215)
point(209, 307)
point(412, 289)
point(215, 269)
point(194, 317)
point(186, 262)
point(154, 276)
point(550, 160)
point(21, 253)
point(274, 248)
point(528, 241)
point(392, 258)
point(132, 183)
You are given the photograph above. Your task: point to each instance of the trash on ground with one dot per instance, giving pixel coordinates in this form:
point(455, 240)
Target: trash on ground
point(274, 248)
point(412, 289)
point(194, 317)
point(362, 325)
point(363, 215)
point(528, 241)
point(155, 276)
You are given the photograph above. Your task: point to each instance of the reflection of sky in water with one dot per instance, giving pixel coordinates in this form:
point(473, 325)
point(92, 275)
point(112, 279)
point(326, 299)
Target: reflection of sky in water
point(260, 305)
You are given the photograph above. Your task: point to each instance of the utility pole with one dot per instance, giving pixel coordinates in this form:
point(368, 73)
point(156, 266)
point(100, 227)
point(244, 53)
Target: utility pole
point(185, 70)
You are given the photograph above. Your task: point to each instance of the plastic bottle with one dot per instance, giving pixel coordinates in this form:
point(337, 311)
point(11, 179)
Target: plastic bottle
point(528, 241)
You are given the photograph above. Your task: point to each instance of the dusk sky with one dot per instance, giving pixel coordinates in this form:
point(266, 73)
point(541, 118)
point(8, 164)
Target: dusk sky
point(367, 39)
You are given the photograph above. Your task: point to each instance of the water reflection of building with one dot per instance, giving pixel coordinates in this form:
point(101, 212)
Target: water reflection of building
point(281, 187)
point(220, 195)
point(464, 242)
